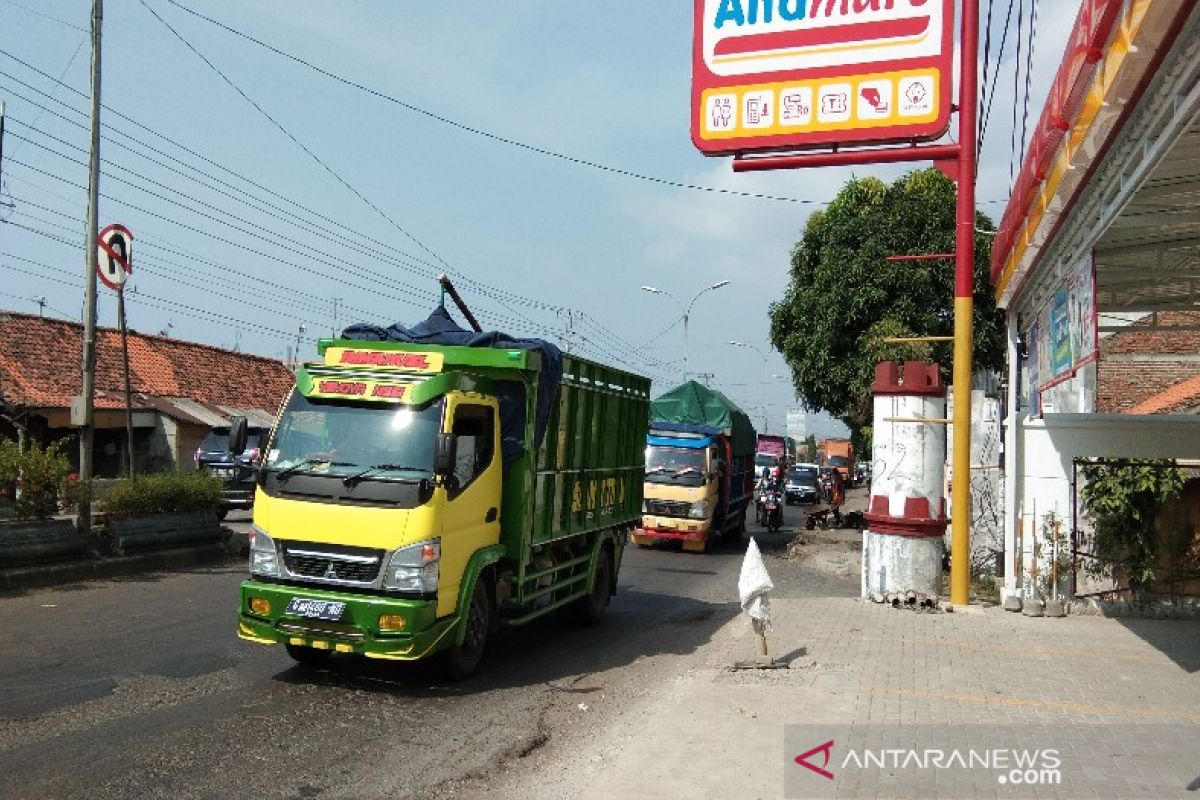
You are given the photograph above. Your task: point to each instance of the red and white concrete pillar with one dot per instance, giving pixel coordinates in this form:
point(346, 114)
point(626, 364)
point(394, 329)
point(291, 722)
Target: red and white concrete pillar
point(904, 544)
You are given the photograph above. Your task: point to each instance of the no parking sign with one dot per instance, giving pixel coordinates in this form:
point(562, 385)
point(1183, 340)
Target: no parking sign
point(114, 262)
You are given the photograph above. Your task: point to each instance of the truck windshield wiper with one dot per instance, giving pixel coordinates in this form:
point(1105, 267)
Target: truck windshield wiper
point(685, 471)
point(288, 472)
point(351, 480)
point(653, 470)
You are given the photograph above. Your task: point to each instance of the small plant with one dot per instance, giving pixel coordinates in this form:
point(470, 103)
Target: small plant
point(34, 476)
point(1124, 498)
point(162, 493)
point(1053, 556)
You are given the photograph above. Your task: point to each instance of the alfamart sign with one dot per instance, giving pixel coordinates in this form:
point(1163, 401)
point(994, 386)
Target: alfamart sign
point(789, 74)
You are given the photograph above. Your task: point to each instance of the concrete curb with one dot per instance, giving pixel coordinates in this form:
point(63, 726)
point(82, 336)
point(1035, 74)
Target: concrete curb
point(44, 575)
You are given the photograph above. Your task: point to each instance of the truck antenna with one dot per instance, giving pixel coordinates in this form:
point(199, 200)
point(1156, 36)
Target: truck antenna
point(449, 289)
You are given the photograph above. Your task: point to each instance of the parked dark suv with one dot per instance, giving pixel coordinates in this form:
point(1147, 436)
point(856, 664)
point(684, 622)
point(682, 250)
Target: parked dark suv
point(238, 472)
point(801, 485)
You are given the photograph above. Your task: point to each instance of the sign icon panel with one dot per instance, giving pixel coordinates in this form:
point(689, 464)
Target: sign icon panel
point(789, 74)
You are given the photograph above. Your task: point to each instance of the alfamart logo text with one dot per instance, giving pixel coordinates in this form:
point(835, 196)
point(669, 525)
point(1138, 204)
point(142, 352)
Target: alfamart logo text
point(1039, 767)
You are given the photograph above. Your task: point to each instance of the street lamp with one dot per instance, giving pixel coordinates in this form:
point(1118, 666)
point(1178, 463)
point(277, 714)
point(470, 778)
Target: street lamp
point(687, 310)
point(766, 375)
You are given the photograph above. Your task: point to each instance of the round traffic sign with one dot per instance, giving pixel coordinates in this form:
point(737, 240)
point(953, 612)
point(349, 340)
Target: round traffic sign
point(114, 262)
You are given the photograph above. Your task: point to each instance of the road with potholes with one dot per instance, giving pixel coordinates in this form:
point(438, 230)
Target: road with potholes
point(139, 687)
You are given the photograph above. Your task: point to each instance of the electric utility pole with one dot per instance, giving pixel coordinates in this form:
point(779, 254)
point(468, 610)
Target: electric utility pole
point(87, 432)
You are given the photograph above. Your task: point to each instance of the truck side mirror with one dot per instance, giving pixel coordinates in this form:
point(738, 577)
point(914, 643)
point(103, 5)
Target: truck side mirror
point(447, 454)
point(237, 435)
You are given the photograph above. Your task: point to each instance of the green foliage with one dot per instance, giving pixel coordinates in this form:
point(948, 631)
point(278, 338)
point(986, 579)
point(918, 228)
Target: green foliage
point(161, 493)
point(37, 476)
point(1124, 498)
point(843, 297)
point(810, 449)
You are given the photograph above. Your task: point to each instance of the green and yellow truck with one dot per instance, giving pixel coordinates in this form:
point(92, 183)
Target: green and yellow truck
point(415, 497)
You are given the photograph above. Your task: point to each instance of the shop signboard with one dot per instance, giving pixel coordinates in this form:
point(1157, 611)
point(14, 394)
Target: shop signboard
point(791, 74)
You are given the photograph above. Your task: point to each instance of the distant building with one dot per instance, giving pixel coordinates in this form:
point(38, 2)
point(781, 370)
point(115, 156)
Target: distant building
point(180, 391)
point(797, 425)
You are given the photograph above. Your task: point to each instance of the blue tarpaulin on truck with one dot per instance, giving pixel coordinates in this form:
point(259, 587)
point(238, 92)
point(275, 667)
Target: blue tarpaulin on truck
point(439, 328)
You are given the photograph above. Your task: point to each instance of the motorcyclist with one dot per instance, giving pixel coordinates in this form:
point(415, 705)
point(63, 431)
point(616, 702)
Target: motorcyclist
point(761, 488)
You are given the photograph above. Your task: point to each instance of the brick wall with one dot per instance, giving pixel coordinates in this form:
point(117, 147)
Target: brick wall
point(1135, 366)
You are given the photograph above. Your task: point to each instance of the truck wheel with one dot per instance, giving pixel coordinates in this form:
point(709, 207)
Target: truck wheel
point(307, 656)
point(222, 513)
point(735, 533)
point(462, 660)
point(590, 610)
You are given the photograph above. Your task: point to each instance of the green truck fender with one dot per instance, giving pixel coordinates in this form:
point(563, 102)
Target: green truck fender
point(479, 561)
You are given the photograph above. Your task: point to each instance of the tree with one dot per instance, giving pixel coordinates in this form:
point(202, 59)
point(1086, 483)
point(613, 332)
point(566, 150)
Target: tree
point(810, 449)
point(843, 297)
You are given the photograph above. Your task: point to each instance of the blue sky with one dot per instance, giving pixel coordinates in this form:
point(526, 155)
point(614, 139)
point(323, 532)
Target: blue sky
point(606, 82)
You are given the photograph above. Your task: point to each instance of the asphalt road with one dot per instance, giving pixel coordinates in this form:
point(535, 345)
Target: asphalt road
point(139, 688)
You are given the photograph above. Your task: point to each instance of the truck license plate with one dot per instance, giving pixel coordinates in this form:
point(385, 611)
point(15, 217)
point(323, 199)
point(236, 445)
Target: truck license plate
point(329, 610)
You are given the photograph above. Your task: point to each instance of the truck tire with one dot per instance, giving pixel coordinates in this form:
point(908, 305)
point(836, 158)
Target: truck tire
point(590, 610)
point(307, 656)
point(461, 660)
point(735, 533)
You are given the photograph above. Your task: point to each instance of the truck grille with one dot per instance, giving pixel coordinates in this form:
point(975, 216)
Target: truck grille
point(361, 566)
point(668, 508)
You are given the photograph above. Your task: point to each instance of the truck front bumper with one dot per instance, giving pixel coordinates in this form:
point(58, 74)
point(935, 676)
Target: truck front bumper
point(356, 631)
point(691, 533)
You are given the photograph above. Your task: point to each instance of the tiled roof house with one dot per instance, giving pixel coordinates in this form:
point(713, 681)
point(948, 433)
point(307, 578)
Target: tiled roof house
point(1155, 371)
point(180, 389)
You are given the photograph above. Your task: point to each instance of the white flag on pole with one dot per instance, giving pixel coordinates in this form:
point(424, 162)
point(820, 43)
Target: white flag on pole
point(754, 586)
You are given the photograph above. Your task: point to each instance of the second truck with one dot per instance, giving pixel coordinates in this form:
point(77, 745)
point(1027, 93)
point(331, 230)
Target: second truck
point(699, 469)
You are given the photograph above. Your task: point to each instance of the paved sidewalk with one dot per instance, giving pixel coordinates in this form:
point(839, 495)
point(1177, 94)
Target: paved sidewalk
point(1119, 700)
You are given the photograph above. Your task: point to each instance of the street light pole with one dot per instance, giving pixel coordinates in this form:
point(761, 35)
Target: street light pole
point(766, 375)
point(687, 310)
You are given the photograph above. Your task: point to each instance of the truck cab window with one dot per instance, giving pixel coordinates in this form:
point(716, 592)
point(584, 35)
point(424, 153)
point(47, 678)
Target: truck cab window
point(476, 431)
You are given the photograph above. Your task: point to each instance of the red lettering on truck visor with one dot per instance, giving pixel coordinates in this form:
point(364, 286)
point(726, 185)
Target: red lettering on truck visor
point(342, 387)
point(390, 392)
point(849, 34)
point(378, 358)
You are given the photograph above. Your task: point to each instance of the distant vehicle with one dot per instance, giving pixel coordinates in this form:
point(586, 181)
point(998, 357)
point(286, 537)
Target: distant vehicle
point(771, 451)
point(238, 472)
point(801, 485)
point(839, 454)
point(862, 474)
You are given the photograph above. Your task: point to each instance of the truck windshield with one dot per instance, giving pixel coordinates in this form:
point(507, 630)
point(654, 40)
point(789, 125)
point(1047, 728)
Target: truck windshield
point(338, 437)
point(679, 465)
point(766, 460)
point(839, 461)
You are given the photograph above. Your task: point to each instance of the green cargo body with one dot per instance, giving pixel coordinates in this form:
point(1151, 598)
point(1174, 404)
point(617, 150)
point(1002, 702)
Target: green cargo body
point(585, 480)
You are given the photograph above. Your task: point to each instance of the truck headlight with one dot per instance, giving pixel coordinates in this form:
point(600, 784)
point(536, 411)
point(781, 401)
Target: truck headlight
point(264, 559)
point(414, 568)
point(699, 510)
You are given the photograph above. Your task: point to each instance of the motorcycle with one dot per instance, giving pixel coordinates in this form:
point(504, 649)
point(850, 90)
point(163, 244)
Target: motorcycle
point(761, 491)
point(773, 509)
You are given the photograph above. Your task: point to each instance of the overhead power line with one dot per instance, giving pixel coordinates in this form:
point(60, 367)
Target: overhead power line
point(477, 131)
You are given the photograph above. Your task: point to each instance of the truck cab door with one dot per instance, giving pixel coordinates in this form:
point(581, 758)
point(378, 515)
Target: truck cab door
point(471, 513)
